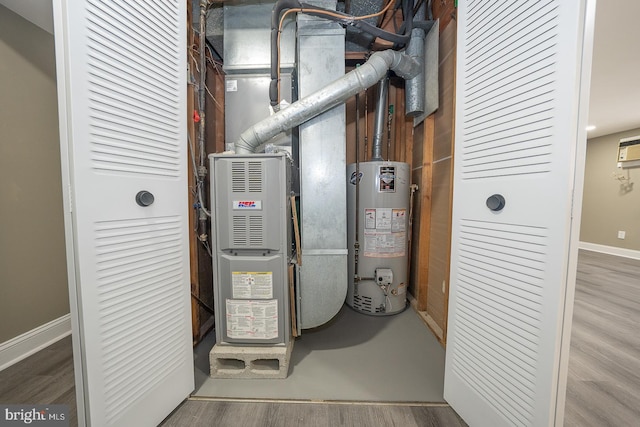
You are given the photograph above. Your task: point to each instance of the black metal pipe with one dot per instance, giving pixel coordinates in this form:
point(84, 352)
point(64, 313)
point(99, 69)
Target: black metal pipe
point(281, 5)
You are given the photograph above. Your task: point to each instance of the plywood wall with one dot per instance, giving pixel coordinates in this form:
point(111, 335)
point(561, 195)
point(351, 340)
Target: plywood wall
point(442, 188)
point(432, 153)
point(201, 278)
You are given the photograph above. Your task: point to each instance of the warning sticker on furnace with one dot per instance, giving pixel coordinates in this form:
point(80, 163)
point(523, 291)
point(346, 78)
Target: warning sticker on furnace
point(252, 284)
point(252, 319)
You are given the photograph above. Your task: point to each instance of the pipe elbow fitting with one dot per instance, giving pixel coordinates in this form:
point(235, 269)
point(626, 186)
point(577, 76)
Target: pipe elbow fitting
point(242, 146)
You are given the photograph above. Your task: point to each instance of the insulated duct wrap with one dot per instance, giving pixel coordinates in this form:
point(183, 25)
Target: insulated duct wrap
point(331, 95)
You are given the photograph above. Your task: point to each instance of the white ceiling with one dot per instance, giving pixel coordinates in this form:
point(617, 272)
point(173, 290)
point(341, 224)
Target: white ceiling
point(615, 78)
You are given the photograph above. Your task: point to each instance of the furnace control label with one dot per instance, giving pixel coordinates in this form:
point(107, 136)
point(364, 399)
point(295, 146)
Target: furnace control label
point(385, 232)
point(252, 284)
point(248, 319)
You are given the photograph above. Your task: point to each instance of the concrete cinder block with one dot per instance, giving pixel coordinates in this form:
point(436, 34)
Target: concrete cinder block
point(228, 361)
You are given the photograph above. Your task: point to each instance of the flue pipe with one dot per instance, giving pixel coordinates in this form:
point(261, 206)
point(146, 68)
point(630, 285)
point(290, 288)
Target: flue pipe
point(380, 119)
point(328, 97)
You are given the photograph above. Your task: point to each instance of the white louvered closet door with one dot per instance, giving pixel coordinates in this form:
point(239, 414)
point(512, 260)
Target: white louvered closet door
point(521, 77)
point(122, 97)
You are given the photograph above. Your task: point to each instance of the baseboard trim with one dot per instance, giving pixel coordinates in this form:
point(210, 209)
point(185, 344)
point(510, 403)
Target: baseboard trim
point(611, 250)
point(23, 346)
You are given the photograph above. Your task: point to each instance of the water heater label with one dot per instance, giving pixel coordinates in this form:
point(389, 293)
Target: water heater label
point(383, 219)
point(252, 284)
point(249, 320)
point(398, 220)
point(387, 179)
point(242, 205)
point(353, 179)
point(369, 218)
point(385, 232)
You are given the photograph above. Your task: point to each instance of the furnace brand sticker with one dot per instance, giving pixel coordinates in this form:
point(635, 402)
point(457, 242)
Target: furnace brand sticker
point(252, 285)
point(241, 205)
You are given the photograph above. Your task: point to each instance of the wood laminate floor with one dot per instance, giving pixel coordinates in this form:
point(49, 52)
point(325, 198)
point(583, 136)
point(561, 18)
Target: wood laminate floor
point(281, 414)
point(603, 384)
point(604, 362)
point(45, 377)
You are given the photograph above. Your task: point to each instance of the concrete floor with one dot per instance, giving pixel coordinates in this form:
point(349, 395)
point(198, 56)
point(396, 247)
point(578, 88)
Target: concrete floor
point(355, 358)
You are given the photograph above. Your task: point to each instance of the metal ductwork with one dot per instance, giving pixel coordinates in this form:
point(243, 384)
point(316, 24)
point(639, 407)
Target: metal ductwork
point(324, 99)
point(415, 87)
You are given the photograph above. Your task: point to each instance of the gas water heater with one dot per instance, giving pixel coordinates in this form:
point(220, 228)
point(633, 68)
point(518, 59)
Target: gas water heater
point(378, 217)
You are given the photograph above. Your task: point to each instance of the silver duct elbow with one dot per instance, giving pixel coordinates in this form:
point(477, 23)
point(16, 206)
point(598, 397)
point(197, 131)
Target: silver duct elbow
point(331, 95)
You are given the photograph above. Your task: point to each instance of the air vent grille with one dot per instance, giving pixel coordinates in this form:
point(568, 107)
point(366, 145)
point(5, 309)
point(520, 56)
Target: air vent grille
point(362, 303)
point(240, 231)
point(256, 231)
point(238, 177)
point(255, 177)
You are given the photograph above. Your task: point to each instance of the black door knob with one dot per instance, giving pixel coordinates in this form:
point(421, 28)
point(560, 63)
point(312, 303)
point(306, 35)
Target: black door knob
point(496, 202)
point(144, 198)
